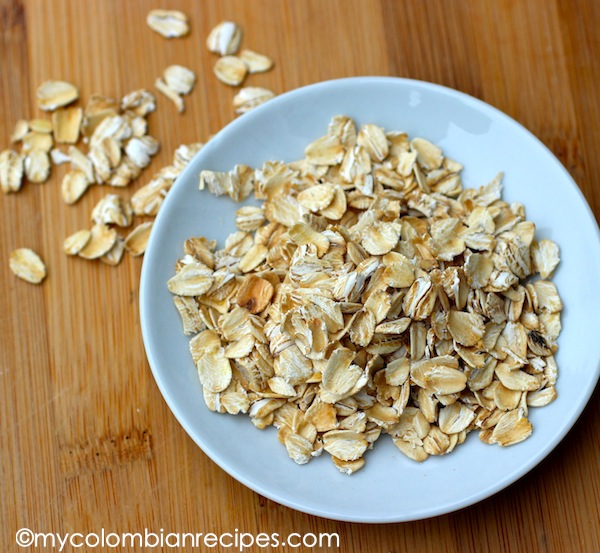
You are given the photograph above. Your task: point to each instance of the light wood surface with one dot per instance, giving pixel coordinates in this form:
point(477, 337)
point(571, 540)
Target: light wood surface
point(86, 440)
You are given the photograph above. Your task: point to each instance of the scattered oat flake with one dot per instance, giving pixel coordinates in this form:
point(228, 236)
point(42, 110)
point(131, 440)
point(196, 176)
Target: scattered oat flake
point(183, 155)
point(224, 39)
point(180, 79)
point(96, 110)
point(74, 185)
point(165, 89)
point(137, 239)
point(102, 239)
point(54, 94)
point(101, 165)
point(141, 150)
point(35, 140)
point(250, 97)
point(110, 150)
point(37, 166)
point(20, 130)
point(116, 127)
point(230, 70)
point(11, 171)
point(59, 157)
point(168, 23)
point(141, 102)
point(41, 125)
point(113, 210)
point(113, 256)
point(148, 199)
point(124, 172)
point(27, 265)
point(82, 162)
point(66, 123)
point(257, 63)
point(76, 242)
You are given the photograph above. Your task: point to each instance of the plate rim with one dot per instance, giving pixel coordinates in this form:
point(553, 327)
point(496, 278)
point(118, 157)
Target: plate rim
point(222, 463)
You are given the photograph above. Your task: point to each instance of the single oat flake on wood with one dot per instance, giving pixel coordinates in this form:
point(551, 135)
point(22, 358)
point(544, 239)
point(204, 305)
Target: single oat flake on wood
point(12, 168)
point(137, 239)
point(180, 79)
point(230, 70)
point(27, 265)
point(168, 23)
point(224, 39)
point(370, 294)
point(257, 63)
point(250, 97)
point(54, 94)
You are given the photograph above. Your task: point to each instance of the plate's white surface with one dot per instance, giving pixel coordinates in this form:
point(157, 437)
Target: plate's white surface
point(391, 487)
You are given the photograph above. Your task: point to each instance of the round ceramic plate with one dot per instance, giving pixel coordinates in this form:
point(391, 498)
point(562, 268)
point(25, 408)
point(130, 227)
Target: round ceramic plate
point(391, 487)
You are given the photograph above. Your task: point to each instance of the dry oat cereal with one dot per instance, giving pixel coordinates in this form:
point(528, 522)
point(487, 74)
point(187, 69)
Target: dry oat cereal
point(372, 294)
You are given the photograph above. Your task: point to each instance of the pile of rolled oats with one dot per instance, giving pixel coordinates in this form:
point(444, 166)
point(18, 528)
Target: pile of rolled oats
point(369, 294)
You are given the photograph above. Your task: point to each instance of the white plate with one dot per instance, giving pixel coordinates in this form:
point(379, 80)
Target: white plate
point(391, 487)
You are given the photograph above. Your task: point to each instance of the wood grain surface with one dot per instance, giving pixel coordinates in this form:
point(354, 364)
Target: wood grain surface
point(86, 440)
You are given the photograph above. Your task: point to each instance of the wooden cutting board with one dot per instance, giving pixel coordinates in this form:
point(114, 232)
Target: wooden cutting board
point(86, 440)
